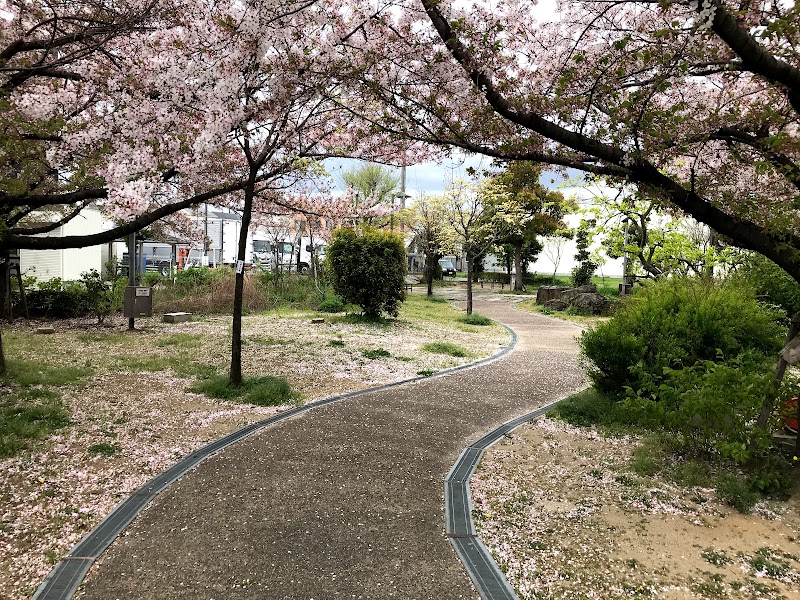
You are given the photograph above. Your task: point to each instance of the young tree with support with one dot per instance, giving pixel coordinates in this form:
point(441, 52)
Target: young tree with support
point(479, 215)
point(427, 221)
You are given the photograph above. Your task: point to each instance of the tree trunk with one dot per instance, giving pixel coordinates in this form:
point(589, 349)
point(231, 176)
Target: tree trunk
point(518, 285)
point(430, 271)
point(313, 255)
point(2, 355)
point(768, 406)
point(235, 378)
point(470, 264)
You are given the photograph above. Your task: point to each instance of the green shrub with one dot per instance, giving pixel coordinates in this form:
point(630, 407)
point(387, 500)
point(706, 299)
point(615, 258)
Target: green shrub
point(56, 300)
point(194, 276)
point(331, 303)
point(368, 269)
point(103, 297)
point(710, 405)
point(448, 348)
point(583, 273)
point(475, 319)
point(771, 283)
point(376, 353)
point(735, 490)
point(675, 323)
point(150, 278)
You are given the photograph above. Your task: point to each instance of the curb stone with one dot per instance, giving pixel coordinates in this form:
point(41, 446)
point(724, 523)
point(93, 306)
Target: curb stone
point(459, 526)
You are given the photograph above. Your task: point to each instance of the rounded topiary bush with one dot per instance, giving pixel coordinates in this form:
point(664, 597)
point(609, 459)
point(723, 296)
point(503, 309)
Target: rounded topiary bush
point(675, 323)
point(367, 268)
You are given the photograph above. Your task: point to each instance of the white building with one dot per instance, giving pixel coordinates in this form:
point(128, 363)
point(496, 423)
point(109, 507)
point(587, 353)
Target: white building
point(68, 264)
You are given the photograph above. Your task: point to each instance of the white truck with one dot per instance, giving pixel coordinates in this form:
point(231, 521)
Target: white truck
point(292, 253)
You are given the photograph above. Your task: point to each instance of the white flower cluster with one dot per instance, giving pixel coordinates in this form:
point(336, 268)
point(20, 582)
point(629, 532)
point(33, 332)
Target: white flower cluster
point(706, 10)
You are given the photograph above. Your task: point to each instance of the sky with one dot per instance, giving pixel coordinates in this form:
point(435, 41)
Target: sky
point(432, 178)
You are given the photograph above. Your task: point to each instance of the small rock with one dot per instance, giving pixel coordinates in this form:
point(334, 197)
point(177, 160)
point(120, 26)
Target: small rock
point(318, 320)
point(45, 330)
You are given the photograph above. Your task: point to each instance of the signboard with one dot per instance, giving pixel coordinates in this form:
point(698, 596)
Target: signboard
point(240, 266)
point(142, 291)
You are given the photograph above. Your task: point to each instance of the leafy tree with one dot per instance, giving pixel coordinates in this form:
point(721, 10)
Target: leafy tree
point(661, 244)
point(582, 274)
point(427, 220)
point(540, 213)
point(373, 182)
point(479, 215)
point(368, 268)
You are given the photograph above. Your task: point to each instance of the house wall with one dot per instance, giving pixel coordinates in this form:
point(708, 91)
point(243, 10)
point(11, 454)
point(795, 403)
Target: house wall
point(66, 264)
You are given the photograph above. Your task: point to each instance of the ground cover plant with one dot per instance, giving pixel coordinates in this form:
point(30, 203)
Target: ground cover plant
point(112, 408)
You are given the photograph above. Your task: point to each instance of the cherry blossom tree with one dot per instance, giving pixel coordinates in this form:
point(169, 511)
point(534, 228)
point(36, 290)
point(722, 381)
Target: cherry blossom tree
point(695, 102)
point(219, 102)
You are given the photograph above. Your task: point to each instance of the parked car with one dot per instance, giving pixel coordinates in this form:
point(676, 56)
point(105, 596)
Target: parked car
point(448, 270)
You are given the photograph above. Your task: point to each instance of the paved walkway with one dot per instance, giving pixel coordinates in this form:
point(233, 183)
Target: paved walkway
point(343, 502)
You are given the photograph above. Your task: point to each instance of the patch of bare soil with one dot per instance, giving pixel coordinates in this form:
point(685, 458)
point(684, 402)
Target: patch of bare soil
point(565, 517)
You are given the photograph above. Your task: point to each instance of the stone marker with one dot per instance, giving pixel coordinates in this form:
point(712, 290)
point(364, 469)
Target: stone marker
point(45, 330)
point(177, 317)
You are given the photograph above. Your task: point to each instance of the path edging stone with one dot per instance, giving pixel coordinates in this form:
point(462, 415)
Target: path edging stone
point(459, 525)
point(68, 573)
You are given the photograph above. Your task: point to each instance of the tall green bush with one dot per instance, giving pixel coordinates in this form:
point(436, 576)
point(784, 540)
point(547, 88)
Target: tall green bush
point(675, 323)
point(368, 269)
point(771, 283)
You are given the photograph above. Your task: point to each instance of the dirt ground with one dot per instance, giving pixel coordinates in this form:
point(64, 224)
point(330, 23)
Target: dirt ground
point(565, 517)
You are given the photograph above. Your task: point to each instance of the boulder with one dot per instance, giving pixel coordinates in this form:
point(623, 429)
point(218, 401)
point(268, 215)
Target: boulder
point(556, 304)
point(549, 292)
point(571, 293)
point(597, 304)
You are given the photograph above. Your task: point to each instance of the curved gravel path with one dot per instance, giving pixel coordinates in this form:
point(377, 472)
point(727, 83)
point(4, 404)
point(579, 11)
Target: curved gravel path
point(345, 501)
